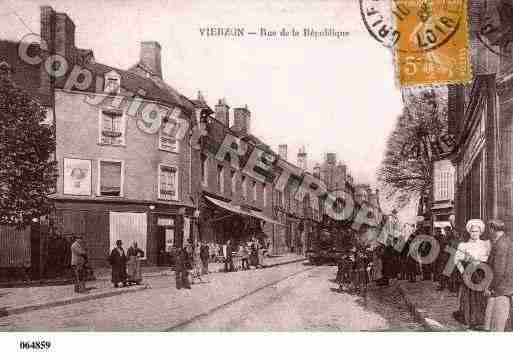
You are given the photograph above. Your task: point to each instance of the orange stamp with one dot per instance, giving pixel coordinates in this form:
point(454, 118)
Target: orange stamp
point(429, 38)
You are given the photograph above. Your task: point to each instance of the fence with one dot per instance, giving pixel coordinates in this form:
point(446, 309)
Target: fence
point(14, 247)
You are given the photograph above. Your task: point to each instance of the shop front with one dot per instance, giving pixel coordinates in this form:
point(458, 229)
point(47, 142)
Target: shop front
point(222, 221)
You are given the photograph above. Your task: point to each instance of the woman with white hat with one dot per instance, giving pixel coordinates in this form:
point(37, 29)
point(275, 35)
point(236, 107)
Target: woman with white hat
point(475, 250)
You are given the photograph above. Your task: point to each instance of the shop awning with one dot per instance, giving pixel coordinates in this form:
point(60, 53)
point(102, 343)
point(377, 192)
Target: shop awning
point(237, 209)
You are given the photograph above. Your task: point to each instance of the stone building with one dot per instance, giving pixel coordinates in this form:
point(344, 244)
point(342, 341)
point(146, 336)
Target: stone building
point(120, 176)
point(481, 117)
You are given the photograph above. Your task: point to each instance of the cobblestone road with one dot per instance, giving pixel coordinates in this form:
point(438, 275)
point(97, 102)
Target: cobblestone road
point(295, 297)
point(310, 301)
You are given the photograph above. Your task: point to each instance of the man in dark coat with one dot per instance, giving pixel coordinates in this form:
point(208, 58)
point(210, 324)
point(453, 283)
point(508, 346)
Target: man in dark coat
point(181, 271)
point(204, 256)
point(500, 290)
point(118, 260)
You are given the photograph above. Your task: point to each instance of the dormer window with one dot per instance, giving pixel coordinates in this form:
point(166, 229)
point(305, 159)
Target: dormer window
point(112, 82)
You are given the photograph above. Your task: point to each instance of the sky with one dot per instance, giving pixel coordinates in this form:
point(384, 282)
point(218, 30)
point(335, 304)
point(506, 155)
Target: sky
point(327, 94)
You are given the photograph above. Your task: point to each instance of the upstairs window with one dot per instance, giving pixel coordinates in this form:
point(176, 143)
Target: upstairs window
point(110, 182)
point(244, 187)
point(204, 169)
point(168, 183)
point(112, 127)
point(167, 134)
point(233, 176)
point(112, 82)
point(254, 188)
point(220, 178)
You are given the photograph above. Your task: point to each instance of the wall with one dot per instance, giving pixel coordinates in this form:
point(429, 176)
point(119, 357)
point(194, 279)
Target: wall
point(77, 134)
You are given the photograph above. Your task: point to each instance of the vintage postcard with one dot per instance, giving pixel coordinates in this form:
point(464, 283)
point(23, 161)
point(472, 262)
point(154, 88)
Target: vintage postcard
point(269, 166)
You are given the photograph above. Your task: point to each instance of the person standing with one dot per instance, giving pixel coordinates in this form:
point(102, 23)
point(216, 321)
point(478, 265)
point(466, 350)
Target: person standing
point(443, 258)
point(204, 257)
point(473, 252)
point(134, 254)
point(118, 261)
point(228, 263)
point(244, 254)
point(180, 271)
point(500, 290)
point(78, 260)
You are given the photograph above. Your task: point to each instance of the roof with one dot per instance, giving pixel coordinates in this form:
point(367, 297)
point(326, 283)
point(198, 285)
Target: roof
point(154, 88)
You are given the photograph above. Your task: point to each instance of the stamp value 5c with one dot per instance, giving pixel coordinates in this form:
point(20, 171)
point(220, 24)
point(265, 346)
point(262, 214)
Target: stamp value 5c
point(434, 46)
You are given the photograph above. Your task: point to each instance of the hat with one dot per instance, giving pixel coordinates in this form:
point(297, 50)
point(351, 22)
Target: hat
point(475, 222)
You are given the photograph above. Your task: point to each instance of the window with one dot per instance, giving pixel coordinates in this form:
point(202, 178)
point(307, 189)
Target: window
point(112, 82)
point(220, 178)
point(254, 187)
point(244, 187)
point(264, 194)
point(167, 141)
point(110, 181)
point(168, 183)
point(112, 127)
point(233, 176)
point(204, 169)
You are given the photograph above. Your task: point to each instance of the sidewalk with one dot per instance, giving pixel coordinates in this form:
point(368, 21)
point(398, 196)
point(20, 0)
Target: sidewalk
point(431, 307)
point(23, 299)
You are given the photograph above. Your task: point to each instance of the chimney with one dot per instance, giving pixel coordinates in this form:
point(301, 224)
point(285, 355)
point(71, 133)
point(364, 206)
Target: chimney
point(340, 176)
point(242, 119)
point(317, 171)
point(64, 36)
point(331, 158)
point(150, 57)
point(301, 158)
point(282, 151)
point(223, 112)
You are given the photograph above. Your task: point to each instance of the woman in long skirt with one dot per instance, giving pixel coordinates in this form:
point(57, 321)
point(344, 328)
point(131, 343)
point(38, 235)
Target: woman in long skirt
point(473, 252)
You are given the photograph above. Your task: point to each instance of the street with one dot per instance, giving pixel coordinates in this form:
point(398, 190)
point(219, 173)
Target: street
point(290, 297)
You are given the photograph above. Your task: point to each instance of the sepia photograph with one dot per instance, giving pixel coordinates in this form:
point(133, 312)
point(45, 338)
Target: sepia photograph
point(255, 166)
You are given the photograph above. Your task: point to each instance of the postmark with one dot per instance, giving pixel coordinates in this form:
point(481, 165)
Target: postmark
point(445, 58)
point(412, 25)
point(429, 38)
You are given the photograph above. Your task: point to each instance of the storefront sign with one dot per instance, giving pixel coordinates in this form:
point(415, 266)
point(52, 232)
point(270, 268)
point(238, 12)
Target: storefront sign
point(165, 221)
point(77, 177)
point(474, 146)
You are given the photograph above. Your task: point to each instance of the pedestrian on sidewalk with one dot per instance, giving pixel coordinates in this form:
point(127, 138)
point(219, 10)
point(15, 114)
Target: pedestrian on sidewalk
point(181, 272)
point(442, 259)
point(475, 251)
point(78, 260)
point(228, 261)
point(204, 256)
point(118, 261)
point(244, 255)
point(500, 289)
point(134, 255)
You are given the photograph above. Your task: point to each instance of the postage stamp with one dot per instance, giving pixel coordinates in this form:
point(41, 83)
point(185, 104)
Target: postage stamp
point(429, 38)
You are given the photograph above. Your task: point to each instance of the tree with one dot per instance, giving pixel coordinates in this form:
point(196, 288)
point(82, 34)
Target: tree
point(419, 138)
point(27, 171)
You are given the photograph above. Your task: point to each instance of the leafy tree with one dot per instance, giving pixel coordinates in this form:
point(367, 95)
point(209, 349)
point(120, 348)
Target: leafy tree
point(27, 171)
point(419, 138)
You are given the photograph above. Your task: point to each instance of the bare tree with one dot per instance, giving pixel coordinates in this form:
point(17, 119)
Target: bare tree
point(419, 138)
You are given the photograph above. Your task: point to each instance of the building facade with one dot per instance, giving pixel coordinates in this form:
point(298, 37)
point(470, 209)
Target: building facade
point(482, 115)
point(119, 176)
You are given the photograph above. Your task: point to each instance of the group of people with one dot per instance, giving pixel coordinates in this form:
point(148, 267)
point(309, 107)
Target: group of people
point(126, 268)
point(249, 254)
point(485, 268)
point(478, 267)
